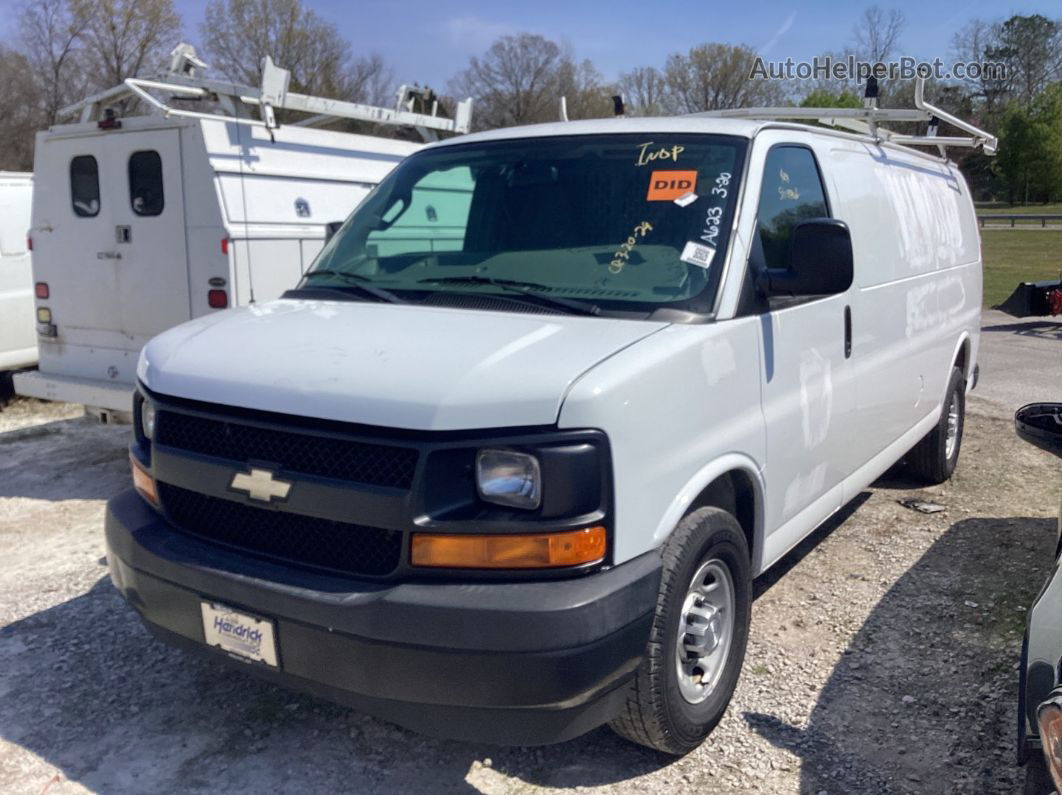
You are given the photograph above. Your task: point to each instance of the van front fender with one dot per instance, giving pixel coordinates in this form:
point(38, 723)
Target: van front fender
point(730, 462)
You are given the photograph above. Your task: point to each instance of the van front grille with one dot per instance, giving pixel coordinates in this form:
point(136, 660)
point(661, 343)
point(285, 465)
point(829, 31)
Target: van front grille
point(288, 537)
point(306, 453)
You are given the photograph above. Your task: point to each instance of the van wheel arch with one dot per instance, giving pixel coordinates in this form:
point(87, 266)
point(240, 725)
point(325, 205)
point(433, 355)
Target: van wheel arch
point(735, 493)
point(962, 358)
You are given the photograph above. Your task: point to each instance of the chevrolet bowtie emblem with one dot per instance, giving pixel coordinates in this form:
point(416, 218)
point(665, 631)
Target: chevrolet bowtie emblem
point(260, 485)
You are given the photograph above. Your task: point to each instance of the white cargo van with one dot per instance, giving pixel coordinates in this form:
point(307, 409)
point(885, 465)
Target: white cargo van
point(142, 223)
point(18, 339)
point(515, 487)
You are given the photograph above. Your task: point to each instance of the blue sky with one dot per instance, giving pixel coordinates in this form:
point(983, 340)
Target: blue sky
point(428, 42)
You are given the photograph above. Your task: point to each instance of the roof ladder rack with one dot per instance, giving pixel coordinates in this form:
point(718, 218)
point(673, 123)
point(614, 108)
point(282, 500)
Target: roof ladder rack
point(182, 82)
point(866, 121)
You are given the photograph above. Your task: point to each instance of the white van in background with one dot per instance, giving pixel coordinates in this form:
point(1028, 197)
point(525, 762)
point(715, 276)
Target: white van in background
point(18, 342)
point(142, 223)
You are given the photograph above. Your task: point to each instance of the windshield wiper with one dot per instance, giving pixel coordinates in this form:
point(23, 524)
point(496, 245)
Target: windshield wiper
point(362, 284)
point(528, 289)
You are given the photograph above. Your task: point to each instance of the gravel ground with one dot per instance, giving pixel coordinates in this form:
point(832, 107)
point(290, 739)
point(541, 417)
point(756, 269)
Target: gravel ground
point(882, 657)
point(1020, 349)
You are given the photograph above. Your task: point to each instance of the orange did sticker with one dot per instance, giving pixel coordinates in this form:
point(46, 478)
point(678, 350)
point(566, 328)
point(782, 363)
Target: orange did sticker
point(665, 186)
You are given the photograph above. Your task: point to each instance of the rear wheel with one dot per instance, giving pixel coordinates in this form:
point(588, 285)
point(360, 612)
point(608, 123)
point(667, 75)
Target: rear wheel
point(934, 458)
point(697, 643)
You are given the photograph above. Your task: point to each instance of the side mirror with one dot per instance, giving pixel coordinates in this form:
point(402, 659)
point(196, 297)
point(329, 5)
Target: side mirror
point(819, 262)
point(331, 228)
point(1041, 424)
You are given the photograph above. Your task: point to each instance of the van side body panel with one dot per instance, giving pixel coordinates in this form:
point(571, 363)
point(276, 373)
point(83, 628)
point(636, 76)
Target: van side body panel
point(18, 336)
point(917, 292)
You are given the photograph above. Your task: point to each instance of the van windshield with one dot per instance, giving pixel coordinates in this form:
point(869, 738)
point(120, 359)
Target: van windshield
point(619, 223)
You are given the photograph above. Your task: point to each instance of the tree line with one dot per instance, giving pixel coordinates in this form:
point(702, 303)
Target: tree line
point(66, 49)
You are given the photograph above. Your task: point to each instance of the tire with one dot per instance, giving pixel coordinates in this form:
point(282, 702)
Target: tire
point(7, 387)
point(709, 544)
point(929, 460)
point(1037, 778)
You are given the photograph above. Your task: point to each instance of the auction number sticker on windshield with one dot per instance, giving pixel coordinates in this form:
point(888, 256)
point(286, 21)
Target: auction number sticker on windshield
point(697, 254)
point(720, 190)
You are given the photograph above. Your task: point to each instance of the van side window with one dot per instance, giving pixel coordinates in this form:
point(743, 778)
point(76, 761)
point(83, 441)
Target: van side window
point(791, 192)
point(145, 183)
point(85, 186)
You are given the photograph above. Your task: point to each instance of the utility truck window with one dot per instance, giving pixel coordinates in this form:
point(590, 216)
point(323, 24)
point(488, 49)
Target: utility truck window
point(85, 186)
point(791, 192)
point(145, 183)
point(616, 223)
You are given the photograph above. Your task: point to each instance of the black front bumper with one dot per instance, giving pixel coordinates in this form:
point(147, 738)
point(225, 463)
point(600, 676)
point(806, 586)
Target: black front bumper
point(523, 663)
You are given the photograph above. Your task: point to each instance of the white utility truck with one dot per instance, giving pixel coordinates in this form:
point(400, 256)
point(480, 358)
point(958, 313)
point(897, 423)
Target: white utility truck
point(18, 339)
point(516, 486)
point(142, 223)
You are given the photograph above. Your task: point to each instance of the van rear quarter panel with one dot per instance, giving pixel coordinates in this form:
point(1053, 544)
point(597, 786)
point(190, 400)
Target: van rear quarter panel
point(917, 290)
point(680, 407)
point(204, 223)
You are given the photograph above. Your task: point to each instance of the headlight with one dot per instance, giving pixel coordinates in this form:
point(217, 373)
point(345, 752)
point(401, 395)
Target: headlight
point(508, 478)
point(147, 418)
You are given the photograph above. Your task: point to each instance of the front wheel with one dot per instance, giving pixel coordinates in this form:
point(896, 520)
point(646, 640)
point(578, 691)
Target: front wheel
point(934, 458)
point(697, 643)
point(1037, 778)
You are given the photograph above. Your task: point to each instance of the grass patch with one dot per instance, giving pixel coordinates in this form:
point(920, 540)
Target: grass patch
point(1018, 255)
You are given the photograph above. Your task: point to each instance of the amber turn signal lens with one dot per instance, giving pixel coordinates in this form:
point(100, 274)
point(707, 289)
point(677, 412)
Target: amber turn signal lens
point(537, 551)
point(143, 482)
point(1049, 719)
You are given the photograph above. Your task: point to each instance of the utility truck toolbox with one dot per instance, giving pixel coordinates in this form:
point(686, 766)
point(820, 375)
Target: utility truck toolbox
point(146, 221)
point(511, 478)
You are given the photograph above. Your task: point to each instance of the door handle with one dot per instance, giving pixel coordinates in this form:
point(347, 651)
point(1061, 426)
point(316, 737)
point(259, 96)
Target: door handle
point(847, 332)
point(108, 255)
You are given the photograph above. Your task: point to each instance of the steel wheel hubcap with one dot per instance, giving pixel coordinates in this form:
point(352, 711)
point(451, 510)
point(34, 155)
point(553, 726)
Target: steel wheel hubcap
point(953, 427)
point(706, 629)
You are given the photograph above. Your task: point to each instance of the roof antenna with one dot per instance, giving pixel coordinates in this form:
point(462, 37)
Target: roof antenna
point(617, 105)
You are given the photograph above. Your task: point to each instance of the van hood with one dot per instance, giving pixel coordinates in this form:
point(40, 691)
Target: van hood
point(392, 365)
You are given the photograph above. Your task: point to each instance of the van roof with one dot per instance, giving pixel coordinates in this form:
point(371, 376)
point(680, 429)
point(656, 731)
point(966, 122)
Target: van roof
point(648, 124)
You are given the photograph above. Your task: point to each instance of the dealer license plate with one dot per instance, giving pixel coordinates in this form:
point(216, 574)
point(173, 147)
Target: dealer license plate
point(240, 634)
